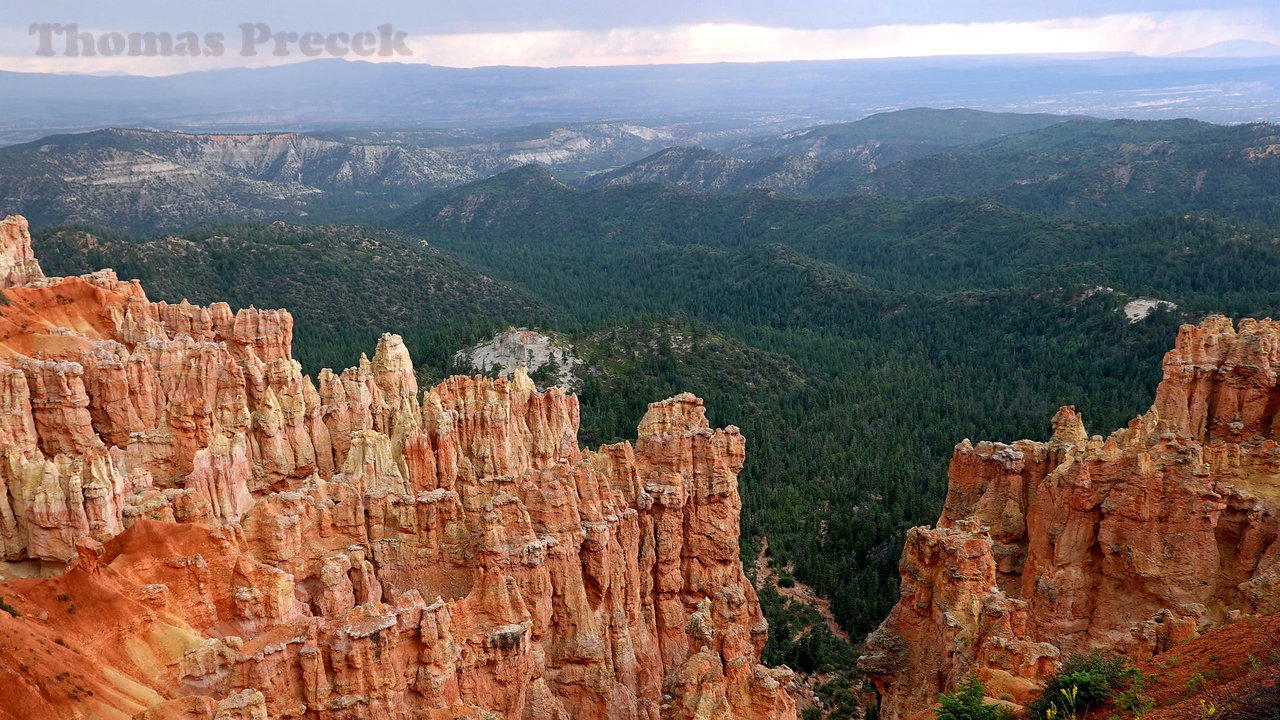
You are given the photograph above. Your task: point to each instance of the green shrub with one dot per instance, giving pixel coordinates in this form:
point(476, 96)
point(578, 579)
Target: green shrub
point(1083, 682)
point(1132, 697)
point(968, 703)
point(9, 608)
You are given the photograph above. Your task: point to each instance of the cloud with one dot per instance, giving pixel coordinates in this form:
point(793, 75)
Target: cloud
point(1141, 33)
point(444, 17)
point(1146, 34)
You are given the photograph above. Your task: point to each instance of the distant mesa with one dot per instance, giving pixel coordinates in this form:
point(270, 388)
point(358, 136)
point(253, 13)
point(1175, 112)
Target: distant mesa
point(1233, 49)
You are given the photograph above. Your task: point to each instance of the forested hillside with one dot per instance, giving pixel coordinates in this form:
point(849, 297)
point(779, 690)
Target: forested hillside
point(855, 340)
point(1079, 168)
point(909, 326)
point(826, 159)
point(1113, 170)
point(887, 137)
point(344, 284)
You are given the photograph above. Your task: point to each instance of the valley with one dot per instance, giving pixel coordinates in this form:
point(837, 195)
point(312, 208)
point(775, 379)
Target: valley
point(849, 301)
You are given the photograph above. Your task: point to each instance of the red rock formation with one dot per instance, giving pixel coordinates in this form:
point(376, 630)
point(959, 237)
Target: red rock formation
point(1163, 530)
point(196, 530)
point(18, 264)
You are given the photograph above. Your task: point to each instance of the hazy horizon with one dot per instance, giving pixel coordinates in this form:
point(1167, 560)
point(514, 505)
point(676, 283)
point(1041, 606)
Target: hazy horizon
point(563, 33)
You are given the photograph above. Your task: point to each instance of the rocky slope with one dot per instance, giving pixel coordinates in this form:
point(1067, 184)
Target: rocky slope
point(825, 159)
point(159, 180)
point(194, 529)
point(549, 359)
point(887, 137)
point(1162, 531)
point(710, 171)
point(1114, 170)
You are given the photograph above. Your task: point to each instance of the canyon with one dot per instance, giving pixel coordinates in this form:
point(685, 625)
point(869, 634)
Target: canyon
point(193, 529)
point(1163, 531)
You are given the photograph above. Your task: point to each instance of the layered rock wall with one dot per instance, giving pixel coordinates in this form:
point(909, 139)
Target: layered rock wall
point(1129, 544)
point(195, 529)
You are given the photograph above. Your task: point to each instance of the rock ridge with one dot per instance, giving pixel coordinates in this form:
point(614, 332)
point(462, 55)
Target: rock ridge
point(1163, 530)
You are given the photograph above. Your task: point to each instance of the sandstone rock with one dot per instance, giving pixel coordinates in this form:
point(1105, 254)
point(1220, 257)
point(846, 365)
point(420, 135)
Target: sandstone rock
point(231, 541)
point(1129, 544)
point(18, 264)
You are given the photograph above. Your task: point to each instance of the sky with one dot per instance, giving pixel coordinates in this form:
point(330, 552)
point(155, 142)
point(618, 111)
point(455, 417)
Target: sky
point(547, 33)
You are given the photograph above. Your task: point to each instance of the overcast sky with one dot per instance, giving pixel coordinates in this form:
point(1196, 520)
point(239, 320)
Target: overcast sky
point(468, 33)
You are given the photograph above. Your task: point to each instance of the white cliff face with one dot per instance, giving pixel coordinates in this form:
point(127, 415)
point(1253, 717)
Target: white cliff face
point(708, 170)
point(149, 180)
point(548, 359)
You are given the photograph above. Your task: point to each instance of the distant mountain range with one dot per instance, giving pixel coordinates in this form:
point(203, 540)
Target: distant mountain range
point(1076, 167)
point(144, 181)
point(888, 137)
point(336, 94)
point(826, 159)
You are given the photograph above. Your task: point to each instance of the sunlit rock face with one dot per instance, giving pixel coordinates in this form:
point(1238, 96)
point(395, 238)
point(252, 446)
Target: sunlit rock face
point(1163, 530)
point(194, 529)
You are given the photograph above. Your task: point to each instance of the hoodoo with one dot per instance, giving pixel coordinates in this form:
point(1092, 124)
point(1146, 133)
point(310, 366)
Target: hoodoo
point(1163, 530)
point(192, 528)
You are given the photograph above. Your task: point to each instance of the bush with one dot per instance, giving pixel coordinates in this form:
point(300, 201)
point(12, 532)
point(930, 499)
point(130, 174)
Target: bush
point(1083, 682)
point(1132, 697)
point(968, 703)
point(9, 608)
